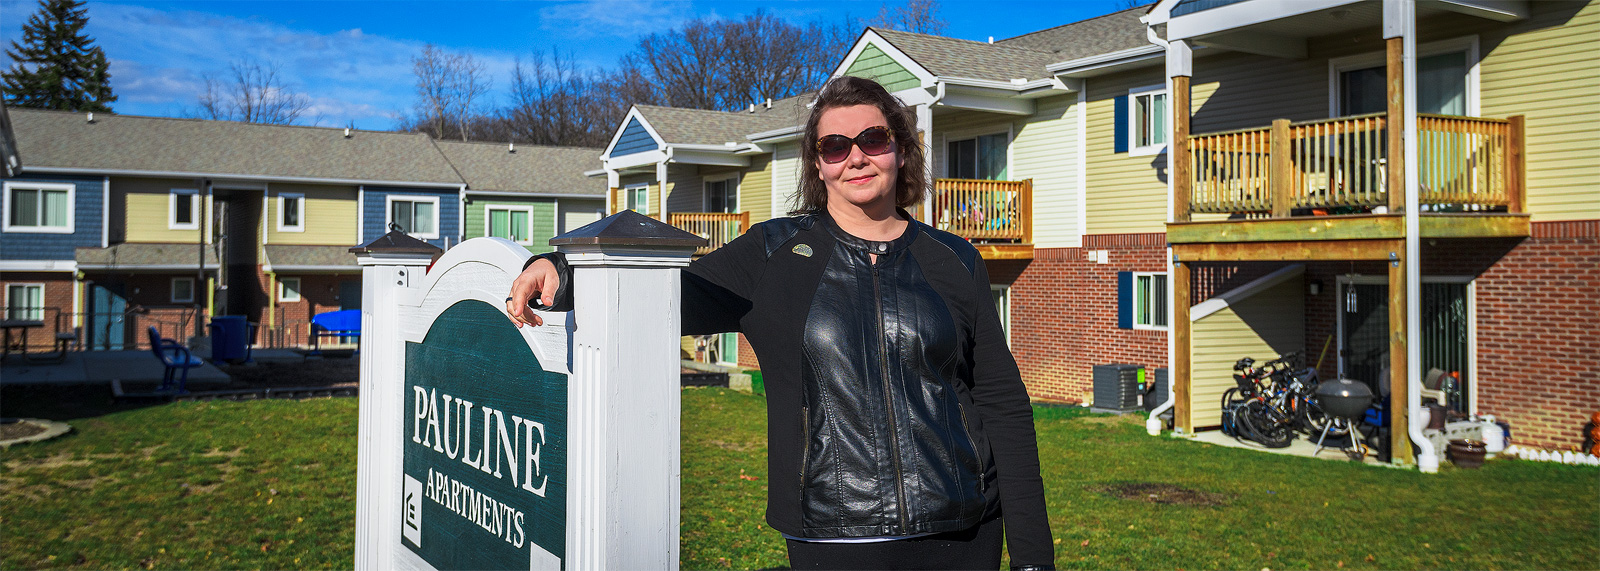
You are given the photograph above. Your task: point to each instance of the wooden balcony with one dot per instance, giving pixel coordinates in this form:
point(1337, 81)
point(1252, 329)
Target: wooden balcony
point(995, 215)
point(718, 228)
point(1330, 179)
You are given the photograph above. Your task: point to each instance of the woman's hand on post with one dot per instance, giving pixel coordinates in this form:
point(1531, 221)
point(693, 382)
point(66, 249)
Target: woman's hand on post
point(538, 279)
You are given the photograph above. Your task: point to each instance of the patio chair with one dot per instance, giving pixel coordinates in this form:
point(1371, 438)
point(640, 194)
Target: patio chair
point(176, 358)
point(65, 338)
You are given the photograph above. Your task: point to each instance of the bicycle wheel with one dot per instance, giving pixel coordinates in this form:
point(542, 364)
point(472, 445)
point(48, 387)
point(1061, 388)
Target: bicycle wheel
point(1263, 427)
point(1315, 421)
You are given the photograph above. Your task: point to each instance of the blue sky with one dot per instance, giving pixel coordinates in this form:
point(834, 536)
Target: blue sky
point(352, 58)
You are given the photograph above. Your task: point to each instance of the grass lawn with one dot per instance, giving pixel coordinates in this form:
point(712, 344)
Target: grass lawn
point(271, 484)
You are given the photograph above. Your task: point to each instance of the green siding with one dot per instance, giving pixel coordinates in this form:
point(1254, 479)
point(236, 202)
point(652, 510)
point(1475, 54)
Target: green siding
point(875, 65)
point(544, 218)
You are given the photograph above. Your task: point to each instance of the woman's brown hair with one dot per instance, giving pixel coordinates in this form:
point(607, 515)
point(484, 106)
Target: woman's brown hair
point(846, 91)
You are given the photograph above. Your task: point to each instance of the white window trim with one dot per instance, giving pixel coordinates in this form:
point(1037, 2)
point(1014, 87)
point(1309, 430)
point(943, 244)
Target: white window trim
point(1134, 299)
point(1133, 136)
point(961, 135)
point(194, 209)
point(733, 187)
point(627, 193)
point(388, 213)
point(7, 309)
point(489, 208)
point(301, 227)
point(1005, 318)
point(282, 297)
point(174, 291)
point(72, 207)
point(1467, 44)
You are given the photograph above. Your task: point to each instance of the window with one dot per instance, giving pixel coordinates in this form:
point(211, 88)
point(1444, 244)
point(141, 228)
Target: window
point(638, 198)
point(1147, 124)
point(416, 215)
point(722, 195)
point(182, 290)
point(25, 301)
point(1002, 305)
point(290, 212)
point(1149, 301)
point(514, 223)
point(288, 289)
point(183, 209)
point(38, 207)
point(1447, 80)
point(981, 158)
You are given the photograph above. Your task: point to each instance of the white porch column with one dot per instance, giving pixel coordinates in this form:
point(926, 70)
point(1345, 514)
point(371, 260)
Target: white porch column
point(925, 131)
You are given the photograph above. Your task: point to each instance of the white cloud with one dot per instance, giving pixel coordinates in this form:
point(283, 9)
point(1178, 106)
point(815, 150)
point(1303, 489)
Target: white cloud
point(614, 18)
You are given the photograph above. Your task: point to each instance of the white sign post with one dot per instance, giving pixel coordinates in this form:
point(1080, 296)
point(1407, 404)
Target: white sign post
point(484, 446)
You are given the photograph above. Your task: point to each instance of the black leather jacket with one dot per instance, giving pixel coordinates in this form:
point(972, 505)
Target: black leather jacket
point(894, 405)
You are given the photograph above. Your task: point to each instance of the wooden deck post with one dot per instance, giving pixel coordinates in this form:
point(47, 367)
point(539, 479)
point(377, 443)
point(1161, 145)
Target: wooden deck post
point(1026, 210)
point(1281, 179)
point(1182, 419)
point(1182, 179)
point(1399, 433)
point(1516, 168)
point(1395, 121)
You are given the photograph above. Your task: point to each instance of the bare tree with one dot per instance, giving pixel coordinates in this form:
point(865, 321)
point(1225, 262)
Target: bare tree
point(728, 64)
point(919, 16)
point(448, 86)
point(251, 92)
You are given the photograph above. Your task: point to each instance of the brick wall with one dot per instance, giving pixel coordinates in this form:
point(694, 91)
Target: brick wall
point(289, 325)
point(747, 355)
point(1064, 312)
point(57, 294)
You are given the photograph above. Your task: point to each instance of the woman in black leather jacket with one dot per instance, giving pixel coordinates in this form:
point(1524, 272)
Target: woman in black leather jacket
point(900, 433)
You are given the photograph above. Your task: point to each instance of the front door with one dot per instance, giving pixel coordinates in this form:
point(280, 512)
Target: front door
point(107, 317)
point(1364, 346)
point(350, 294)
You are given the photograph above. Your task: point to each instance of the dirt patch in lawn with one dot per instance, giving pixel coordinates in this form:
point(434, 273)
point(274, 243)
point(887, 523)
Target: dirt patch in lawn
point(330, 372)
point(19, 429)
point(1160, 493)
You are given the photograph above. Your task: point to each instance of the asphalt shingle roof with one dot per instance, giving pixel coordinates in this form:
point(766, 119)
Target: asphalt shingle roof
point(532, 168)
point(703, 127)
point(131, 255)
point(1110, 33)
point(951, 57)
point(127, 142)
point(289, 255)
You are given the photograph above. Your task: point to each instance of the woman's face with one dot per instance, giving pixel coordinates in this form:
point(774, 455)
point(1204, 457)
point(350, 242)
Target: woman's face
point(863, 180)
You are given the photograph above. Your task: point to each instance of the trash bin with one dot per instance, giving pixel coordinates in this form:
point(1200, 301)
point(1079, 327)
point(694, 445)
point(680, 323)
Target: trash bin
point(230, 334)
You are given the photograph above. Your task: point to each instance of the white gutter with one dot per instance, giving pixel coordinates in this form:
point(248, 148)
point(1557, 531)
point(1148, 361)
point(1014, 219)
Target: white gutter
point(1427, 459)
point(224, 178)
point(1102, 60)
point(778, 135)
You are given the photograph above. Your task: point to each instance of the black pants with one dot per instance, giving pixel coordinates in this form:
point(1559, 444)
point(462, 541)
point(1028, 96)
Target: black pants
point(975, 548)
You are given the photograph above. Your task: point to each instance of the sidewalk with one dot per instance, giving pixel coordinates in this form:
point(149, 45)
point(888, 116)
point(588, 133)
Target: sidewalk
point(101, 367)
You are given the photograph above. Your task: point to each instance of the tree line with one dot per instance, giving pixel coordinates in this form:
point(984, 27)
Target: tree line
point(707, 63)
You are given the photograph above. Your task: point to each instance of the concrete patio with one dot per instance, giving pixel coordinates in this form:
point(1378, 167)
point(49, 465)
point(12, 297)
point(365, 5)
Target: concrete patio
point(130, 367)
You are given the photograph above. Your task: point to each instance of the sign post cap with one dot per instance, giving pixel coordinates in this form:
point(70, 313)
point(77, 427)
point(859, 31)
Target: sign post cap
point(396, 242)
point(629, 228)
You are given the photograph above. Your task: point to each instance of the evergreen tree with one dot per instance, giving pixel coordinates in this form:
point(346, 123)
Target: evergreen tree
point(56, 66)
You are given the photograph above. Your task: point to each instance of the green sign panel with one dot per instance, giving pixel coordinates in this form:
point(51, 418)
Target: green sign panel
point(485, 482)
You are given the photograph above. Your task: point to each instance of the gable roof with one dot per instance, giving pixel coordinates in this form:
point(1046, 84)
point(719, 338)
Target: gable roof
point(130, 143)
point(1106, 34)
point(951, 57)
point(703, 127)
point(532, 169)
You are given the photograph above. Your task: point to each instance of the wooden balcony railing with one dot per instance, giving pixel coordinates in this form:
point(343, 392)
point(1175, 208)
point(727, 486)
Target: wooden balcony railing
point(985, 210)
point(717, 227)
point(1340, 166)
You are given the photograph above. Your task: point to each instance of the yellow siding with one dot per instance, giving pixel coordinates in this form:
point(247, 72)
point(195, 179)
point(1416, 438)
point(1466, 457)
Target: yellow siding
point(148, 209)
point(1235, 91)
point(330, 215)
point(1046, 150)
point(684, 191)
point(1548, 69)
point(1262, 326)
point(785, 178)
point(755, 190)
point(1127, 194)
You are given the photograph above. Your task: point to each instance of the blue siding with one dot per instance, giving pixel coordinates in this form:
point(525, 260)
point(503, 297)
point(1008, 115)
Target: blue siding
point(1192, 6)
point(635, 139)
point(88, 212)
point(373, 214)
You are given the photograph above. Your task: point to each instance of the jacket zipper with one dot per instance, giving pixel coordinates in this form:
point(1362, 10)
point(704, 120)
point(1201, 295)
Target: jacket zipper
point(966, 430)
point(805, 444)
point(888, 401)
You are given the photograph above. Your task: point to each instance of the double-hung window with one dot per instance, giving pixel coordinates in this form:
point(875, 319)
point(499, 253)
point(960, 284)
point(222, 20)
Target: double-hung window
point(182, 290)
point(291, 212)
point(514, 223)
point(25, 301)
point(637, 197)
point(183, 209)
point(1147, 120)
point(1149, 300)
point(416, 215)
point(981, 158)
point(1002, 305)
point(38, 207)
point(288, 289)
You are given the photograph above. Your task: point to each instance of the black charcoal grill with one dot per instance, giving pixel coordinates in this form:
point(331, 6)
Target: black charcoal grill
point(1344, 402)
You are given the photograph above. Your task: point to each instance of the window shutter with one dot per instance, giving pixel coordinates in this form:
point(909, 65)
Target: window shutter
point(1125, 300)
point(1120, 125)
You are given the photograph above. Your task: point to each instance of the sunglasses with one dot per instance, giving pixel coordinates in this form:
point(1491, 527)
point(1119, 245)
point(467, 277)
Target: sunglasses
point(873, 141)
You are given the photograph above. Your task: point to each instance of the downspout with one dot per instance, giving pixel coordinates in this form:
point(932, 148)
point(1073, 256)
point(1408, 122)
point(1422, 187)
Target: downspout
point(1427, 460)
point(1153, 424)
